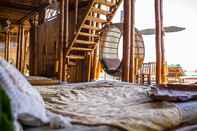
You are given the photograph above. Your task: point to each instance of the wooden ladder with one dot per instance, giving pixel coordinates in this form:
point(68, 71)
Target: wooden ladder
point(87, 37)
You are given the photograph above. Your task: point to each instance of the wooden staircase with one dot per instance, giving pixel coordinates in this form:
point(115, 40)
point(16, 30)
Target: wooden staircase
point(99, 14)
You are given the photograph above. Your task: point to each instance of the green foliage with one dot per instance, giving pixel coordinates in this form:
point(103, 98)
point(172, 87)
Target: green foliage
point(6, 120)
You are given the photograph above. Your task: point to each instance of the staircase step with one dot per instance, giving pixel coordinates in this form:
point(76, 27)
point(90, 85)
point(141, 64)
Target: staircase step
point(100, 11)
point(81, 49)
point(89, 27)
point(75, 57)
point(87, 34)
point(105, 2)
point(98, 20)
point(71, 63)
point(85, 42)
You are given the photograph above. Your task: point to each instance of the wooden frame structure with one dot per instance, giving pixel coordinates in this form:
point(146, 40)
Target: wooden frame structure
point(83, 39)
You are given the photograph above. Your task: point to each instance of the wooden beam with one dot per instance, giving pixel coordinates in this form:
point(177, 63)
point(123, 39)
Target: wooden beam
point(81, 49)
point(105, 2)
point(44, 82)
point(75, 57)
point(85, 42)
point(132, 73)
point(11, 14)
point(90, 27)
point(99, 20)
point(7, 4)
point(158, 41)
point(126, 40)
point(31, 13)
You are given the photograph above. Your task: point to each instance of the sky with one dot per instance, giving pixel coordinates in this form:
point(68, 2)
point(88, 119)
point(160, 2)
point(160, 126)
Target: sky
point(180, 47)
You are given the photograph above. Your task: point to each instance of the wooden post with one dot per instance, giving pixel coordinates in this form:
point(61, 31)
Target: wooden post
point(8, 45)
point(89, 61)
point(66, 35)
point(163, 75)
point(33, 59)
point(5, 46)
point(26, 33)
point(61, 41)
point(21, 47)
point(126, 40)
point(95, 56)
point(132, 73)
point(95, 63)
point(67, 24)
point(18, 46)
point(76, 14)
point(158, 41)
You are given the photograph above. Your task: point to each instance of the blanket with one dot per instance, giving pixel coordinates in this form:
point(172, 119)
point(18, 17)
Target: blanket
point(116, 104)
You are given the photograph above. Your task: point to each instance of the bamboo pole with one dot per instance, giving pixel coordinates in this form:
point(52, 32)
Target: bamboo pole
point(132, 73)
point(126, 40)
point(158, 41)
point(61, 40)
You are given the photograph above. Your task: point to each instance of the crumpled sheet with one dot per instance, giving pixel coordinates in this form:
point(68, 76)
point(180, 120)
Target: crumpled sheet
point(181, 94)
point(117, 104)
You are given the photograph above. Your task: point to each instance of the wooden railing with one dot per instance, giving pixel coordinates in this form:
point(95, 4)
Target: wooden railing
point(146, 74)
